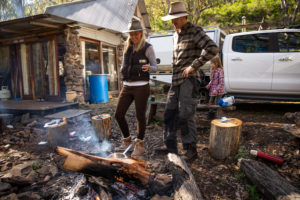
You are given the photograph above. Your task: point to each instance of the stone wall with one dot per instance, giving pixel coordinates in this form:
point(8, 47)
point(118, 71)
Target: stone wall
point(72, 64)
point(120, 51)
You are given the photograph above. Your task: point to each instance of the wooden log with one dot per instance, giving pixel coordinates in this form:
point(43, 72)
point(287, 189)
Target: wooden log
point(101, 124)
point(184, 182)
point(58, 135)
point(268, 181)
point(127, 168)
point(224, 137)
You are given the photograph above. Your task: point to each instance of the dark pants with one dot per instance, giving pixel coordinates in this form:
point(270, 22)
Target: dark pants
point(214, 99)
point(180, 112)
point(140, 96)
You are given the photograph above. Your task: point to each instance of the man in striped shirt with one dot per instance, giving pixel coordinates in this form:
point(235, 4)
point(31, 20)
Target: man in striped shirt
point(192, 49)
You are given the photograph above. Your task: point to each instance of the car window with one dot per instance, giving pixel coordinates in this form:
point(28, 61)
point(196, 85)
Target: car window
point(254, 43)
point(289, 42)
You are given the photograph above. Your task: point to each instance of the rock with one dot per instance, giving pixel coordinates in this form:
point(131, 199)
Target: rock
point(53, 170)
point(29, 195)
point(6, 166)
point(32, 124)
point(47, 178)
point(11, 196)
point(4, 187)
point(21, 170)
point(157, 197)
point(32, 176)
point(44, 170)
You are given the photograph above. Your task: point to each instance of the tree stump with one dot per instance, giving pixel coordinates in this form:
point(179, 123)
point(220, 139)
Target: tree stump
point(101, 124)
point(58, 135)
point(224, 137)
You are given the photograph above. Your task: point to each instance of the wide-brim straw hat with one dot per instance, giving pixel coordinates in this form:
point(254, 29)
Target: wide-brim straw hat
point(176, 10)
point(134, 26)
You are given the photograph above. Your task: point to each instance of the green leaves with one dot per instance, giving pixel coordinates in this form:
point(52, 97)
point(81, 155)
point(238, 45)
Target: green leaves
point(8, 8)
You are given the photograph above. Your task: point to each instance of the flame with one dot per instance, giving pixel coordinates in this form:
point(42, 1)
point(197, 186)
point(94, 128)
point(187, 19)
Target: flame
point(120, 179)
point(97, 198)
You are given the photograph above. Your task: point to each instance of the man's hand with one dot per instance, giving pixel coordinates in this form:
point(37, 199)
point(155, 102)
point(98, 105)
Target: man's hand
point(187, 71)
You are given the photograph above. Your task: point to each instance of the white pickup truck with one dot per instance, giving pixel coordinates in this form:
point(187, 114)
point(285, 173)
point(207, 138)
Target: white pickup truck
point(263, 64)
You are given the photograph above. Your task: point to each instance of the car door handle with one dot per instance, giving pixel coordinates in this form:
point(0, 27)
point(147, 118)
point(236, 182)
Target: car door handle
point(236, 59)
point(285, 59)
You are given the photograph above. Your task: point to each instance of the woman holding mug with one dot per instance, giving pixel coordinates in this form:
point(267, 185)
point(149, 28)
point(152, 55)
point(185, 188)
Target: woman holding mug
point(138, 61)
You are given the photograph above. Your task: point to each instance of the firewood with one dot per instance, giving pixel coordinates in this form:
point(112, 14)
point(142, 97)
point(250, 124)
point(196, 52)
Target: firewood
point(128, 168)
point(268, 181)
point(224, 137)
point(58, 135)
point(101, 124)
point(184, 181)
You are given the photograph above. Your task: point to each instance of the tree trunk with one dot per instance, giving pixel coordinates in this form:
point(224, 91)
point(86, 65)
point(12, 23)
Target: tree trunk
point(295, 12)
point(268, 181)
point(224, 137)
point(101, 124)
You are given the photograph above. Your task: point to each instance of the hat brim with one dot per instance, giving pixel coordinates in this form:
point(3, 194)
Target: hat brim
point(130, 31)
point(170, 17)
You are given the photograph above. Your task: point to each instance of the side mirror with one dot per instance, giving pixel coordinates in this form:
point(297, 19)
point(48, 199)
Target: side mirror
point(157, 60)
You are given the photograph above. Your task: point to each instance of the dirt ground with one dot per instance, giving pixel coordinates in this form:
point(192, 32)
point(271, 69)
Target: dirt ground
point(262, 130)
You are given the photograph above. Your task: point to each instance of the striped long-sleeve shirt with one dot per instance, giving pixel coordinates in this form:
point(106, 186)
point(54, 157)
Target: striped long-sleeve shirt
point(188, 46)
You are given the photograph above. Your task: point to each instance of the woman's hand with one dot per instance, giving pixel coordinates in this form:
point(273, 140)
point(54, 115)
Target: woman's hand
point(145, 68)
point(215, 92)
point(207, 87)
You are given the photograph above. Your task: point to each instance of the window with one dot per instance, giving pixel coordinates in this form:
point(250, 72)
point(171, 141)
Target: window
point(92, 60)
point(289, 42)
point(255, 43)
point(110, 67)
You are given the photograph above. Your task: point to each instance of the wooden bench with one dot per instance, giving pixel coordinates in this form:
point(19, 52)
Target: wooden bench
point(152, 106)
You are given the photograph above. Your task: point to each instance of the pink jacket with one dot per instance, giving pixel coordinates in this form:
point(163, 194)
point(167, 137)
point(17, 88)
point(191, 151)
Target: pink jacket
point(216, 83)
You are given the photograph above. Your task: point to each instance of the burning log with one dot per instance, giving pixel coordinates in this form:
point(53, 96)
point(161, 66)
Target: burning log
point(268, 181)
point(110, 167)
point(224, 137)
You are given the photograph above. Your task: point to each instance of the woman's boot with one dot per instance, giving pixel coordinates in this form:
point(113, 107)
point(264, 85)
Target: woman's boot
point(125, 144)
point(139, 149)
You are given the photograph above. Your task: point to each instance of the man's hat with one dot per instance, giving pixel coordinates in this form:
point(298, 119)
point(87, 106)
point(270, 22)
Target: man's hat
point(134, 26)
point(177, 10)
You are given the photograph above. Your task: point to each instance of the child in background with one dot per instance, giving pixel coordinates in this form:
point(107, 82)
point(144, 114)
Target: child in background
point(216, 84)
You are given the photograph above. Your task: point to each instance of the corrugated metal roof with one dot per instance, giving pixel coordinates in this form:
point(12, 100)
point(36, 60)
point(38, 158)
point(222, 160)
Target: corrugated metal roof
point(109, 14)
point(31, 26)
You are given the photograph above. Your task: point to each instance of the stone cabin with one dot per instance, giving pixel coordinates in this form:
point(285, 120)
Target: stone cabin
point(46, 55)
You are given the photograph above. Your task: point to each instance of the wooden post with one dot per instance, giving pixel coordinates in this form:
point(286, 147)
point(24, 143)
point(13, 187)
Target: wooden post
point(58, 135)
point(101, 124)
point(224, 137)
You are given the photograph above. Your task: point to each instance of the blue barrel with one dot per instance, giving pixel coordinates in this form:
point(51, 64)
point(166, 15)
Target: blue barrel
point(98, 88)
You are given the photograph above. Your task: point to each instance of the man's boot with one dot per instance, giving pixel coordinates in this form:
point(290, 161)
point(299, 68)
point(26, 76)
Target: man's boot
point(190, 153)
point(211, 115)
point(139, 149)
point(125, 144)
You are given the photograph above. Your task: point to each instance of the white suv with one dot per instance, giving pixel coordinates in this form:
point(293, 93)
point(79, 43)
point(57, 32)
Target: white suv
point(263, 64)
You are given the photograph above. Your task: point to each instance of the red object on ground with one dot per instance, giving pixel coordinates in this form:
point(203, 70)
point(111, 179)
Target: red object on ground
point(268, 157)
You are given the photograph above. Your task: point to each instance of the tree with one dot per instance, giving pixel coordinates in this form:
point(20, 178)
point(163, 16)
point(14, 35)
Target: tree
point(286, 10)
point(11, 9)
